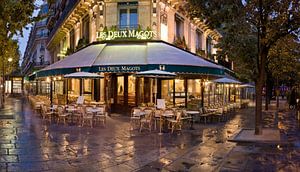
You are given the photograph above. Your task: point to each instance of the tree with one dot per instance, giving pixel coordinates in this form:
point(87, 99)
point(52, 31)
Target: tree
point(14, 16)
point(282, 59)
point(11, 52)
point(264, 22)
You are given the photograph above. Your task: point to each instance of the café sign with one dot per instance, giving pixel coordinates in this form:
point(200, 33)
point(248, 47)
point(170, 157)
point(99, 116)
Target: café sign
point(126, 34)
point(119, 68)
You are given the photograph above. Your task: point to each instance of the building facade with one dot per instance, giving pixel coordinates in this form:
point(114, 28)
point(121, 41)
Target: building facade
point(36, 55)
point(117, 39)
point(78, 22)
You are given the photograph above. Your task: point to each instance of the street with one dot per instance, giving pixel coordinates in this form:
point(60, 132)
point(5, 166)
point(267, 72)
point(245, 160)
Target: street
point(29, 144)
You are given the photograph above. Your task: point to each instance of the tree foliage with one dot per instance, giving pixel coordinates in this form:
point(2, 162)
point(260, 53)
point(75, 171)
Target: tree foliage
point(14, 15)
point(11, 52)
point(251, 28)
point(283, 59)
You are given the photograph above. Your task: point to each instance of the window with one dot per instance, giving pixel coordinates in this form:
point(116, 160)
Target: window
point(128, 15)
point(179, 21)
point(199, 39)
point(42, 47)
point(208, 45)
point(86, 28)
point(72, 40)
point(131, 90)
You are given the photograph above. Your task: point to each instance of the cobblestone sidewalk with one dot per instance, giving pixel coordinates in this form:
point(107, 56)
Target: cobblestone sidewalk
point(29, 144)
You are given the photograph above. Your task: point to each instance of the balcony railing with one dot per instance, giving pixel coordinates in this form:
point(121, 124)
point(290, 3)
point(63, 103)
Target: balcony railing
point(41, 63)
point(128, 27)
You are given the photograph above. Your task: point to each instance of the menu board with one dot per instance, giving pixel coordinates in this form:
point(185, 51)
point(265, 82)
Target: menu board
point(80, 100)
point(161, 104)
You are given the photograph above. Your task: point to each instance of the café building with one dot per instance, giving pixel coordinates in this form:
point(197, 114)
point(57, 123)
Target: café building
point(116, 39)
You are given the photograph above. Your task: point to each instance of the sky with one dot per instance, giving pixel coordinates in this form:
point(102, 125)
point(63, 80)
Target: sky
point(23, 40)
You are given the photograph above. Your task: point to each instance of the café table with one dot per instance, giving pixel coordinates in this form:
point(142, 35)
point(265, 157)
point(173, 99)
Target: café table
point(163, 117)
point(192, 113)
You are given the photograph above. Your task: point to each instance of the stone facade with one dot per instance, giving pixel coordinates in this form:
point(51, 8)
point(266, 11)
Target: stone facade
point(36, 55)
point(157, 15)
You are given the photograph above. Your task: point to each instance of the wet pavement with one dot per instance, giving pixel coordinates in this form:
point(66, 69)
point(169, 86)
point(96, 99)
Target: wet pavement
point(29, 144)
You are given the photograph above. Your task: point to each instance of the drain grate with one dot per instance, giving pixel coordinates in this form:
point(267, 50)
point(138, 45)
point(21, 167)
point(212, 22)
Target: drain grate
point(6, 117)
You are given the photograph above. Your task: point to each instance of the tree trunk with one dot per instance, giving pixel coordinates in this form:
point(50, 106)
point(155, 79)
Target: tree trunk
point(267, 96)
point(258, 106)
point(263, 53)
point(268, 91)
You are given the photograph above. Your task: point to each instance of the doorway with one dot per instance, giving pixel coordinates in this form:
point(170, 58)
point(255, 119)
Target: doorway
point(123, 88)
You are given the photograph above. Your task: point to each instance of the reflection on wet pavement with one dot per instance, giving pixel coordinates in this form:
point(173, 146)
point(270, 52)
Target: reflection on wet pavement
point(29, 144)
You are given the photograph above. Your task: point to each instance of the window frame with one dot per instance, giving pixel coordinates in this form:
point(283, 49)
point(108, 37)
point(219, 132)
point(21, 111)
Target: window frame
point(199, 39)
point(86, 18)
point(180, 19)
point(128, 6)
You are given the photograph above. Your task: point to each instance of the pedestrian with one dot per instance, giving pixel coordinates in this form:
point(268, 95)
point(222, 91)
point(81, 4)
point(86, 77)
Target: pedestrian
point(292, 99)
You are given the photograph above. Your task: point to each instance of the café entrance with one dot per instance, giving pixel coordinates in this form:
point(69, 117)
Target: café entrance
point(123, 92)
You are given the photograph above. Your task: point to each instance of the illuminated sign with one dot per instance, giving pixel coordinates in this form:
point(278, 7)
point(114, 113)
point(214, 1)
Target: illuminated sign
point(126, 34)
point(119, 68)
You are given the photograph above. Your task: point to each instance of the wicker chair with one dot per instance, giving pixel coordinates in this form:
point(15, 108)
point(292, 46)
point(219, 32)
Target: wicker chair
point(146, 122)
point(62, 115)
point(101, 116)
point(135, 117)
point(46, 114)
point(87, 117)
point(177, 122)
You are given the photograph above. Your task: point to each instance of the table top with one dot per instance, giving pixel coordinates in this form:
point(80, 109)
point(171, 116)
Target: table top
point(94, 110)
point(192, 112)
point(71, 109)
point(167, 115)
point(212, 109)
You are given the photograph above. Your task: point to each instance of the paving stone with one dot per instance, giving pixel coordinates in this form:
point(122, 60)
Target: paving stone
point(121, 167)
point(29, 144)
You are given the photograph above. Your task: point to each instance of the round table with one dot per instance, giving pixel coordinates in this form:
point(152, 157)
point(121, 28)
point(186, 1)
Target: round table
point(192, 113)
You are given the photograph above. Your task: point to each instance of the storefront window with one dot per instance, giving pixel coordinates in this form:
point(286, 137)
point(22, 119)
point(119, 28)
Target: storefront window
point(102, 90)
point(44, 88)
point(87, 89)
point(140, 96)
point(59, 92)
point(7, 86)
point(131, 90)
point(59, 87)
point(167, 91)
point(194, 94)
point(128, 15)
point(73, 89)
point(120, 97)
point(179, 92)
